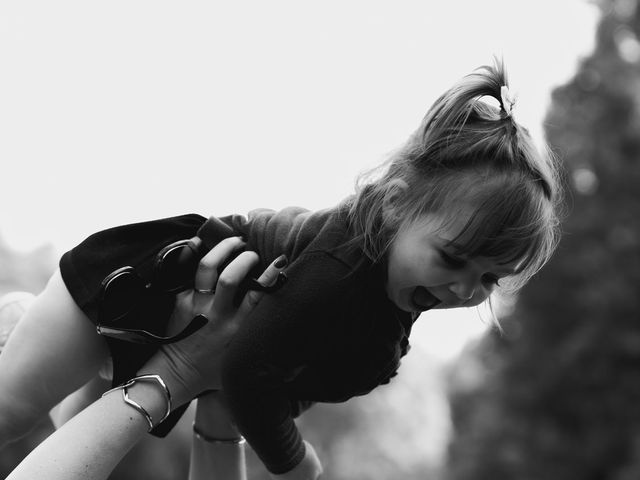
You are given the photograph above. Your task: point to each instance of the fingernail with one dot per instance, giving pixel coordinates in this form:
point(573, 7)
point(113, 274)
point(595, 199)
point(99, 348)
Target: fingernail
point(281, 261)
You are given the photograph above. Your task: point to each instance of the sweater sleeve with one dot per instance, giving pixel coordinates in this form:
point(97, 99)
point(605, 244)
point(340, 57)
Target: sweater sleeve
point(283, 333)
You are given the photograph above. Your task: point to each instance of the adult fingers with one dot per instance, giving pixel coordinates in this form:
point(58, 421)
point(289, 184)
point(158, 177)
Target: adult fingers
point(231, 278)
point(268, 278)
point(207, 273)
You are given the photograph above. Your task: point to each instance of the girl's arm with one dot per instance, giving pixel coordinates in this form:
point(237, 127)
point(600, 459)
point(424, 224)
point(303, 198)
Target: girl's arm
point(285, 332)
point(309, 468)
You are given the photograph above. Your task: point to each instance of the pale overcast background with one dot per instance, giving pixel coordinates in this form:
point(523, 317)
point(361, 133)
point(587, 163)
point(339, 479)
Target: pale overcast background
point(121, 111)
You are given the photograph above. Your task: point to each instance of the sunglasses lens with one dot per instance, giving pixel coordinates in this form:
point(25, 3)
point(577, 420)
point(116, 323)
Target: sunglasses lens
point(121, 292)
point(176, 269)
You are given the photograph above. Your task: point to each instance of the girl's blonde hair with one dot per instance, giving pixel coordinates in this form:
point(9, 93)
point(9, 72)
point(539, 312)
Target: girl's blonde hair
point(468, 154)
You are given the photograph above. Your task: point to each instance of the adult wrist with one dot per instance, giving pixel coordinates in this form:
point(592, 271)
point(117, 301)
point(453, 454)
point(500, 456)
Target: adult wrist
point(218, 439)
point(148, 395)
point(220, 429)
point(213, 415)
point(162, 364)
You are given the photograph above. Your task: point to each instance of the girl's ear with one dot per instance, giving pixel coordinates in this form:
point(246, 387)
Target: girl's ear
point(393, 197)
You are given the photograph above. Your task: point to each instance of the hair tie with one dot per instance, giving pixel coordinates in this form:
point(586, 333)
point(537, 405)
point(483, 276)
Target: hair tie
point(508, 100)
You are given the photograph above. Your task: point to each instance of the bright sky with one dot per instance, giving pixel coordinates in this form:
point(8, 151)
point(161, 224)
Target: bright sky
point(120, 111)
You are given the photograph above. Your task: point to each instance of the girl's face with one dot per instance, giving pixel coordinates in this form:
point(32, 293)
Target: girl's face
point(424, 271)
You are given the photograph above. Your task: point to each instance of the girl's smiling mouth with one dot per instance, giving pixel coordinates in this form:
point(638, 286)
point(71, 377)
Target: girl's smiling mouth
point(423, 300)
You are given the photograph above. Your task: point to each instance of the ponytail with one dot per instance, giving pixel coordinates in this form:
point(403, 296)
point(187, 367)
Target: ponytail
point(459, 105)
point(462, 130)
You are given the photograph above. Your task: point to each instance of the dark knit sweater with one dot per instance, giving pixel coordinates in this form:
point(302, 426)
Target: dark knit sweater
point(329, 334)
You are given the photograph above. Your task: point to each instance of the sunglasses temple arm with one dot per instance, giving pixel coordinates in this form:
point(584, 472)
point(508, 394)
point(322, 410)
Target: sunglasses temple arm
point(145, 337)
point(199, 321)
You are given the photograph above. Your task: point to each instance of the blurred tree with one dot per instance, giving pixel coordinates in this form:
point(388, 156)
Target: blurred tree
point(558, 395)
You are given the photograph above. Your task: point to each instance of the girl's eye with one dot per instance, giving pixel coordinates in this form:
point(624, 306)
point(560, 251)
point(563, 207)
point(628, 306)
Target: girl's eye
point(453, 262)
point(491, 280)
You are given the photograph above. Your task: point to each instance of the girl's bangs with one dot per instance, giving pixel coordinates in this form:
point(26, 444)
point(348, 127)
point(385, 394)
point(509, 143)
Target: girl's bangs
point(509, 227)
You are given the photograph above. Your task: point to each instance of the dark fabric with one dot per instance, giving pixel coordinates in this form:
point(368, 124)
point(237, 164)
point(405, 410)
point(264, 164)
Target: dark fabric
point(329, 334)
point(84, 267)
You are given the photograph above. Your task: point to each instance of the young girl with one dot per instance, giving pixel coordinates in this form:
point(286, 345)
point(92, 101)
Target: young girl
point(467, 206)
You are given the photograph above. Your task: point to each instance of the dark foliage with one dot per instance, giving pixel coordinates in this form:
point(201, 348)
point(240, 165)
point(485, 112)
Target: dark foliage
point(560, 392)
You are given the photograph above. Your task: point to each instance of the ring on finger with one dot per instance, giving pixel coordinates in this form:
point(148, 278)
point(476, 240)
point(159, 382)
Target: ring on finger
point(206, 291)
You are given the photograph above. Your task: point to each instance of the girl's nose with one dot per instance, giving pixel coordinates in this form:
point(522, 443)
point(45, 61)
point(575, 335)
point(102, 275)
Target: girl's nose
point(463, 290)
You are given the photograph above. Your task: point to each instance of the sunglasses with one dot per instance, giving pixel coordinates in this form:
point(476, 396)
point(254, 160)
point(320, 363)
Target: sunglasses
point(127, 298)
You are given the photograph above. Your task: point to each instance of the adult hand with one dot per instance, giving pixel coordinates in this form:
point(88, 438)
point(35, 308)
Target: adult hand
point(192, 365)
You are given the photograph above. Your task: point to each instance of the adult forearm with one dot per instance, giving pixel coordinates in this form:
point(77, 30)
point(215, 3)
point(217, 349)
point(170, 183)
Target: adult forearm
point(218, 448)
point(94, 441)
point(217, 461)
